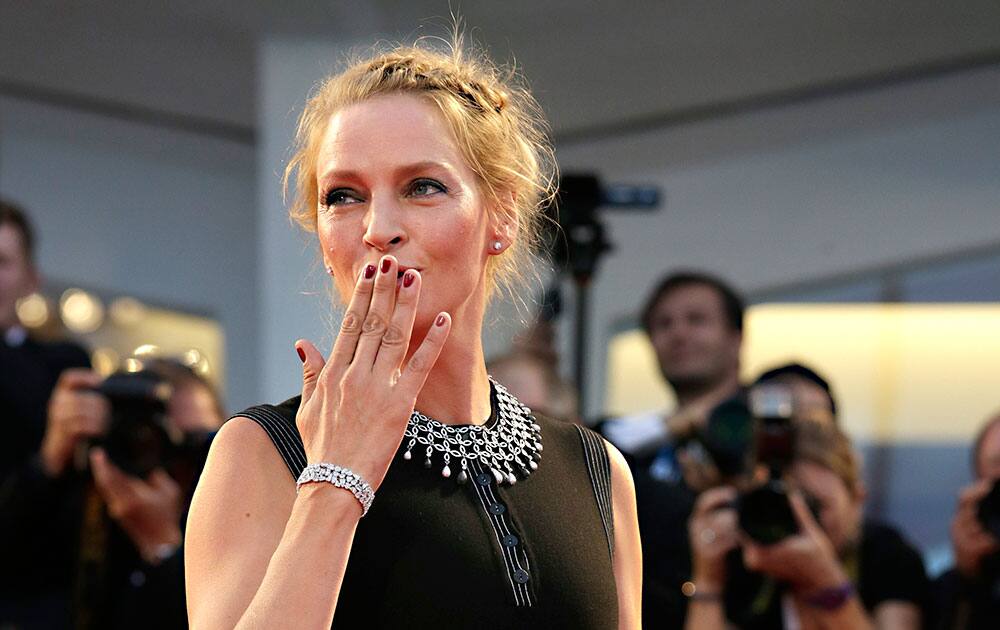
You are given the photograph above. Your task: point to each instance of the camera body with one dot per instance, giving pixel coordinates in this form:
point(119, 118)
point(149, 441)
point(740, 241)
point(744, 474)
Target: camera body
point(139, 437)
point(764, 512)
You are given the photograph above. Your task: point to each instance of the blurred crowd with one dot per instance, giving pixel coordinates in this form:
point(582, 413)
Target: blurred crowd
point(750, 495)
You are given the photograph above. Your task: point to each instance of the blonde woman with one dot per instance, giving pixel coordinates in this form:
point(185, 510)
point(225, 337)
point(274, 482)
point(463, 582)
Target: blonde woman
point(405, 487)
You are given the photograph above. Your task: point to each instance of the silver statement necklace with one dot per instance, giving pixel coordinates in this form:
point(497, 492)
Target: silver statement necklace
point(510, 448)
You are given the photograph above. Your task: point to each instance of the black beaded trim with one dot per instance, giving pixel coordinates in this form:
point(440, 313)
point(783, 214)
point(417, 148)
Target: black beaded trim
point(509, 541)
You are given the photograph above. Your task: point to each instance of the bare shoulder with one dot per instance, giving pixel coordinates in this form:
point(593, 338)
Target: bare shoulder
point(241, 452)
point(621, 474)
point(244, 469)
point(238, 513)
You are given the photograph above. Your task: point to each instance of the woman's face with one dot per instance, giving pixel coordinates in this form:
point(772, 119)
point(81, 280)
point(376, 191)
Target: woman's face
point(392, 180)
point(840, 508)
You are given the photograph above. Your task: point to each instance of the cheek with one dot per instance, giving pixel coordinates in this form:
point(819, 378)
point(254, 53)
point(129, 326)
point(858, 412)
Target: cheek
point(338, 254)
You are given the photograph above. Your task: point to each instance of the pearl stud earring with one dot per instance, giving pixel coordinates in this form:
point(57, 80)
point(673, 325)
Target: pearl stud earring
point(497, 245)
point(329, 270)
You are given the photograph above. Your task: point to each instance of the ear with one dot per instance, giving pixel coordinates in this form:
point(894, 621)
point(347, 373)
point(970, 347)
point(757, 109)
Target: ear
point(503, 227)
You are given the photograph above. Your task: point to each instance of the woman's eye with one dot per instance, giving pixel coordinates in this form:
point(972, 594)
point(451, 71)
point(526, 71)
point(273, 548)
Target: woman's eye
point(340, 197)
point(425, 187)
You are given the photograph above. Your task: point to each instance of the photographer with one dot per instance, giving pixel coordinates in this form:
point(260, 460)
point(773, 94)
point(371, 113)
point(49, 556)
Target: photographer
point(90, 528)
point(837, 571)
point(28, 367)
point(968, 596)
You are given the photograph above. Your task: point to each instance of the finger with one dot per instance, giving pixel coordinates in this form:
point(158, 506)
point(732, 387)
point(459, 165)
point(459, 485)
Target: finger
point(805, 519)
point(91, 415)
point(350, 327)
point(983, 542)
point(751, 555)
point(412, 377)
point(396, 340)
point(109, 479)
point(312, 365)
point(163, 483)
point(973, 493)
point(78, 378)
point(725, 522)
point(714, 499)
point(377, 320)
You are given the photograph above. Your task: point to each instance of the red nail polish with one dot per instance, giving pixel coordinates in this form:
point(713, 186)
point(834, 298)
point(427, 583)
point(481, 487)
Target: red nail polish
point(386, 263)
point(441, 320)
point(302, 354)
point(369, 272)
point(408, 278)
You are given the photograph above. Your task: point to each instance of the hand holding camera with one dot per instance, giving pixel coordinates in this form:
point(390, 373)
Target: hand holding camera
point(76, 414)
point(971, 533)
point(122, 424)
point(713, 532)
point(805, 560)
point(149, 510)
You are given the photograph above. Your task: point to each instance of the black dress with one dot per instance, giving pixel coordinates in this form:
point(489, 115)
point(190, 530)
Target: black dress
point(432, 553)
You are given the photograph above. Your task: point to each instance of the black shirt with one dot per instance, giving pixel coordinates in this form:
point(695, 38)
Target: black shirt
point(963, 604)
point(28, 373)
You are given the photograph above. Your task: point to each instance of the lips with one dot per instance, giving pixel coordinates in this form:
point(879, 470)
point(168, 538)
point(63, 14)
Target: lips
point(401, 272)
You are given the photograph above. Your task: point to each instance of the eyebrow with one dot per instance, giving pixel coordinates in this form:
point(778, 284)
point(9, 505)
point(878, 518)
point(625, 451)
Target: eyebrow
point(415, 167)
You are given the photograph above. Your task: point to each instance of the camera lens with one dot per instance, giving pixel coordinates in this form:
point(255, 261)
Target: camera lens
point(765, 514)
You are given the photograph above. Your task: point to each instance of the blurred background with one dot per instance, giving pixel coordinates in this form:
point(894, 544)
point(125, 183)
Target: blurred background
point(839, 163)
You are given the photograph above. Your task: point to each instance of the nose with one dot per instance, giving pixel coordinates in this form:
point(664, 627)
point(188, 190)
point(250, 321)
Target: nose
point(384, 229)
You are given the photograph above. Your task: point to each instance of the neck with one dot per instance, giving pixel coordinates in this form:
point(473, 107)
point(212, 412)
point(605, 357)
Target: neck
point(457, 390)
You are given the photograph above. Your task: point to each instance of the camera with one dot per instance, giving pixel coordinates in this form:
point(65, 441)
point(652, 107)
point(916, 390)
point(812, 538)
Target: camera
point(988, 510)
point(139, 438)
point(764, 512)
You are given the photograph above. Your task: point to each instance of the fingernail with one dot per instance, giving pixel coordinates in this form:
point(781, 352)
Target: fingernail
point(369, 272)
point(302, 354)
point(386, 263)
point(441, 320)
point(408, 278)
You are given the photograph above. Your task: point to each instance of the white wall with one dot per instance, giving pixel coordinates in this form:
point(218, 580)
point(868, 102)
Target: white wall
point(164, 216)
point(800, 192)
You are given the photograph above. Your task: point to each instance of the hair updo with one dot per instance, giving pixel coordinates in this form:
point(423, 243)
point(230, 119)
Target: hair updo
point(496, 122)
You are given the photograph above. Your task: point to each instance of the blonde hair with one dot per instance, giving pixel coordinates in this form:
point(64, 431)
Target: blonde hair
point(827, 446)
point(496, 121)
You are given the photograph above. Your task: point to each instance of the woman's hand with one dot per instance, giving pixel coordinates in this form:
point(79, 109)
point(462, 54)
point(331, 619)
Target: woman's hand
point(807, 560)
point(356, 405)
point(713, 532)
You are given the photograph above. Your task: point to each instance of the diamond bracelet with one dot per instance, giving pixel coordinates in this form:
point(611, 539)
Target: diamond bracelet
point(342, 478)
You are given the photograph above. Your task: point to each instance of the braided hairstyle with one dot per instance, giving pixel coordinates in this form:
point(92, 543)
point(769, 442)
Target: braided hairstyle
point(496, 122)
